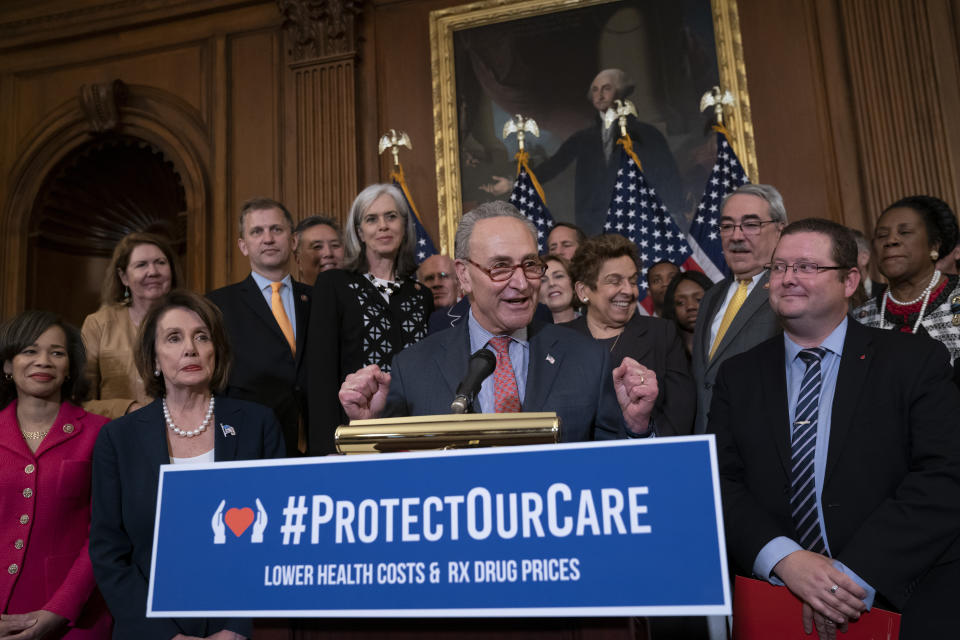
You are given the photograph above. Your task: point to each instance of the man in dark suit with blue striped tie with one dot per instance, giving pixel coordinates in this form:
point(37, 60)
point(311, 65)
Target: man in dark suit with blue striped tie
point(839, 451)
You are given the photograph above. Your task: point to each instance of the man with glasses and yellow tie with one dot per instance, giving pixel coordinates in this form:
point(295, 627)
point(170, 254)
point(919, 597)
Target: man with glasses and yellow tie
point(266, 317)
point(734, 315)
point(539, 367)
point(839, 453)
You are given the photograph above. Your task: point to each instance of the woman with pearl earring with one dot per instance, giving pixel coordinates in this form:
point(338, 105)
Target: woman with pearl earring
point(183, 354)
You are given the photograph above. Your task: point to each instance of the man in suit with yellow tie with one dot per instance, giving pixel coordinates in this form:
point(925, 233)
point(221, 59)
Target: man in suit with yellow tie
point(735, 314)
point(266, 317)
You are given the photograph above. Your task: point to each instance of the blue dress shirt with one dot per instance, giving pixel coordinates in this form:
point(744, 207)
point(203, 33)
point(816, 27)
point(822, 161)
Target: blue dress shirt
point(781, 546)
point(519, 357)
point(286, 296)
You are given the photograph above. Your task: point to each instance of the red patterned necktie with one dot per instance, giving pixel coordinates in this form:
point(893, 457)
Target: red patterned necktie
point(506, 396)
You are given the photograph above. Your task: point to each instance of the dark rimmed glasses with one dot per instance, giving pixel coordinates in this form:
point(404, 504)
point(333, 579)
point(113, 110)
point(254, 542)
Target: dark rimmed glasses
point(533, 270)
point(780, 267)
point(748, 227)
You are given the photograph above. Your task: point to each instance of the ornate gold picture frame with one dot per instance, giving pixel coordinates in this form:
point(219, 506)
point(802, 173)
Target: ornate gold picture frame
point(446, 23)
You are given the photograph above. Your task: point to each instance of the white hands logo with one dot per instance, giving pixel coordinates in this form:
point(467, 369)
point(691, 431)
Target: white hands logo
point(238, 521)
point(260, 523)
point(219, 530)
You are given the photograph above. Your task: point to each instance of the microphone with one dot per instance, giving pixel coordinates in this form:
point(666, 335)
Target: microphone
point(481, 365)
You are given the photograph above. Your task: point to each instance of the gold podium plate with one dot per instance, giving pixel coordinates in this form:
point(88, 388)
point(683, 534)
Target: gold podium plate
point(472, 430)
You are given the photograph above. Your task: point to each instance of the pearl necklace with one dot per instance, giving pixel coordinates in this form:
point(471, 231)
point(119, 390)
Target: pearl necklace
point(187, 434)
point(925, 296)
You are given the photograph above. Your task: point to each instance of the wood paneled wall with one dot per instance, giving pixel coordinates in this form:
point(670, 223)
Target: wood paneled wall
point(853, 104)
point(203, 88)
point(910, 143)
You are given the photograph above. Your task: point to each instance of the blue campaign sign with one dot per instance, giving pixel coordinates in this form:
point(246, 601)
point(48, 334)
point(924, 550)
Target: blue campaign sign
point(630, 527)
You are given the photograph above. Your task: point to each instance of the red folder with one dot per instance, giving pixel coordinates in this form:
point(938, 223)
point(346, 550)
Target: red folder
point(762, 611)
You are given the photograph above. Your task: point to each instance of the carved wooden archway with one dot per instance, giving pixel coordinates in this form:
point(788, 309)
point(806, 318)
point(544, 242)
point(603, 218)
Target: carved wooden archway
point(161, 119)
point(100, 192)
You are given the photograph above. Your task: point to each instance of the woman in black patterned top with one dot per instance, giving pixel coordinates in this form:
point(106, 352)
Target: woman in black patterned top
point(911, 235)
point(367, 312)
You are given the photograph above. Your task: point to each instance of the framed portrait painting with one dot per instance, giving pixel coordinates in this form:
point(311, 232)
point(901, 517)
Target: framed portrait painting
point(562, 62)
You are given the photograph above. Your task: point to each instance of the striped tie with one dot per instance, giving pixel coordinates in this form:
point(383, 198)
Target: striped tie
point(803, 489)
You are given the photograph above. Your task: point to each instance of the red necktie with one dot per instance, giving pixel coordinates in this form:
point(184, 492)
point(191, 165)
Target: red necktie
point(506, 396)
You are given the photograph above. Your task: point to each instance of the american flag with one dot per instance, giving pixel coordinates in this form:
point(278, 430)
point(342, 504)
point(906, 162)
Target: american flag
point(425, 247)
point(527, 196)
point(637, 213)
point(727, 175)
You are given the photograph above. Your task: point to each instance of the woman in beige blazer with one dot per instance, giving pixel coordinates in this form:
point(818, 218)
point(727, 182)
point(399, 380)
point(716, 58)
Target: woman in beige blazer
point(143, 269)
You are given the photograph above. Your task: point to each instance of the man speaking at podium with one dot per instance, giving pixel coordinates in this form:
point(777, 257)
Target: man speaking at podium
point(539, 367)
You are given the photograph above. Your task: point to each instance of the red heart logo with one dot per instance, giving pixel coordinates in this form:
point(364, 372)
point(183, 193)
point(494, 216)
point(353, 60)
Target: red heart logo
point(238, 520)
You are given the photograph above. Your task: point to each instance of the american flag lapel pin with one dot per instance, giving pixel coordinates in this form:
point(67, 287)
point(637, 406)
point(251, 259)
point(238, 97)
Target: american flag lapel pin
point(550, 359)
point(227, 430)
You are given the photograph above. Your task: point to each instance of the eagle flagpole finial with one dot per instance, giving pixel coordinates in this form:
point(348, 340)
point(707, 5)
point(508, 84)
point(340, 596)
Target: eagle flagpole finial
point(519, 125)
point(620, 111)
point(393, 140)
point(718, 100)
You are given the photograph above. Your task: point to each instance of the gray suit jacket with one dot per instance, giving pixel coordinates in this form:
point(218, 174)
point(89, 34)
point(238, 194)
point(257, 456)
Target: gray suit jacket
point(754, 323)
point(568, 373)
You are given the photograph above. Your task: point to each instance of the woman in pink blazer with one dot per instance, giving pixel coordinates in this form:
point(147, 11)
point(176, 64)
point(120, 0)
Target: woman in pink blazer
point(47, 589)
